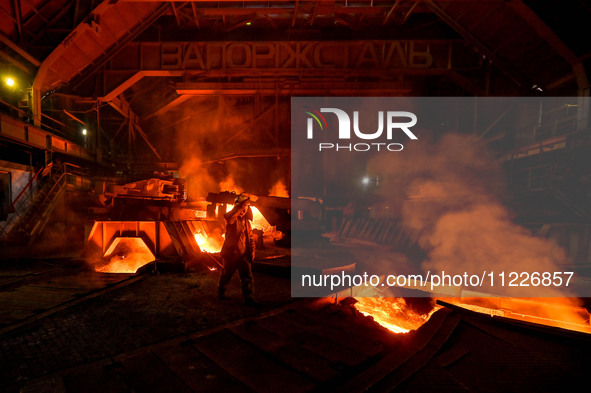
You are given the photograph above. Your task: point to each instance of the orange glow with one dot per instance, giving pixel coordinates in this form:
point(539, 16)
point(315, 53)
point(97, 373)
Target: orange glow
point(213, 244)
point(124, 264)
point(564, 313)
point(258, 221)
point(228, 184)
point(126, 255)
point(210, 243)
point(279, 190)
point(393, 313)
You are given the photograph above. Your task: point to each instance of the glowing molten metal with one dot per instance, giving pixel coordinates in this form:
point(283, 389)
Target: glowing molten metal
point(259, 221)
point(213, 244)
point(560, 312)
point(126, 255)
point(125, 264)
point(392, 313)
point(209, 244)
point(395, 314)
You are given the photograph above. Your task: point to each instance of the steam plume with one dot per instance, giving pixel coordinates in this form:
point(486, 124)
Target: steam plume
point(449, 194)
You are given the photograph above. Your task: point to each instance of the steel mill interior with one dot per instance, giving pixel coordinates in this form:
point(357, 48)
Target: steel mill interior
point(129, 127)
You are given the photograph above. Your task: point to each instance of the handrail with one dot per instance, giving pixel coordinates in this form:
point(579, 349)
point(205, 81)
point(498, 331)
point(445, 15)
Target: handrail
point(29, 184)
point(57, 183)
point(50, 194)
point(52, 190)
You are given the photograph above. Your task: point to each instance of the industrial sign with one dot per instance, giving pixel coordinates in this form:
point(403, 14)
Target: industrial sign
point(412, 54)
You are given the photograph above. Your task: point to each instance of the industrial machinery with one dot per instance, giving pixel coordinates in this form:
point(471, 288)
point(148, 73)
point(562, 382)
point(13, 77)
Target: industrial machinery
point(150, 220)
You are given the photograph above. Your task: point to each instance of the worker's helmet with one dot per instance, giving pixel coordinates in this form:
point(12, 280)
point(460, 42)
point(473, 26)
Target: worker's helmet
point(241, 198)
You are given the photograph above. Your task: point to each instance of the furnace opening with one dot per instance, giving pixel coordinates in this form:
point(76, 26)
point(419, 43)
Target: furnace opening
point(125, 255)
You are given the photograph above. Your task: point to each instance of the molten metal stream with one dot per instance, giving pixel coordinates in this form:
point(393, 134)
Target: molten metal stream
point(392, 313)
point(560, 312)
point(395, 315)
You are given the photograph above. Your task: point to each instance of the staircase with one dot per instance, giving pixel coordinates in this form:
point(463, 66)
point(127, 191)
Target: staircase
point(27, 222)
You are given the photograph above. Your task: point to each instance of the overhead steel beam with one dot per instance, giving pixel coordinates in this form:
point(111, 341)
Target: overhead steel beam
point(16, 63)
point(8, 14)
point(121, 105)
point(291, 8)
point(560, 81)
point(54, 19)
point(20, 51)
point(172, 104)
point(55, 71)
point(36, 11)
point(73, 117)
point(543, 31)
point(289, 12)
point(294, 87)
point(406, 7)
point(554, 41)
point(391, 12)
point(250, 124)
point(195, 16)
point(314, 13)
point(155, 14)
point(16, 4)
point(120, 88)
point(176, 15)
point(252, 153)
point(295, 13)
point(502, 64)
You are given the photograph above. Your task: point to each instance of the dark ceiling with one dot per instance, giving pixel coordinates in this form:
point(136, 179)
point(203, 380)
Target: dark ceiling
point(151, 78)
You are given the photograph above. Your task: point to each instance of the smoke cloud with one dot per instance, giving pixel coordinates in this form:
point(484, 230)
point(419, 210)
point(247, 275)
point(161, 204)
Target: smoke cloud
point(450, 194)
point(279, 189)
point(214, 145)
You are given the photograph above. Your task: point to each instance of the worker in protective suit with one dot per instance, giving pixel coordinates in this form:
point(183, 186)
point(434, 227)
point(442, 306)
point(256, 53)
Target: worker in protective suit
point(238, 249)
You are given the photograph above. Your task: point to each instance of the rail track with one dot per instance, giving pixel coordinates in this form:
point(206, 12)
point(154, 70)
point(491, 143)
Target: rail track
point(36, 289)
